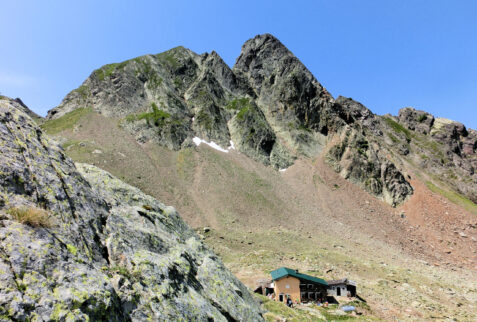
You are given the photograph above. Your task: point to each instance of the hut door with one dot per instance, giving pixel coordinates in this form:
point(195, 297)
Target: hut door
point(280, 298)
point(338, 291)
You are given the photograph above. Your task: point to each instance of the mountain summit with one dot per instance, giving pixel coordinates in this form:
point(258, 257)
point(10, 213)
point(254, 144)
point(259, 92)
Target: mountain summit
point(269, 105)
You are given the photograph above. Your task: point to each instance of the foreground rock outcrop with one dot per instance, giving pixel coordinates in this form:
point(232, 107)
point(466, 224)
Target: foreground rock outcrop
point(104, 250)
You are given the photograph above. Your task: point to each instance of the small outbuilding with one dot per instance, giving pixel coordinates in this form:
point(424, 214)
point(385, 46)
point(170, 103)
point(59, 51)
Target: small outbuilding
point(342, 287)
point(301, 288)
point(265, 287)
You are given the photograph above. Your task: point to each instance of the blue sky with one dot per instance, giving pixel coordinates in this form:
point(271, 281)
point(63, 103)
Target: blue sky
point(385, 54)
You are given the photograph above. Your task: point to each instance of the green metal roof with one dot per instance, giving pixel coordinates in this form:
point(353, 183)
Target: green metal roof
point(284, 272)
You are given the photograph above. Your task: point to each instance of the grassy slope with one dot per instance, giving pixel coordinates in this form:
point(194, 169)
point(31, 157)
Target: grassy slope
point(306, 218)
point(278, 312)
point(454, 197)
point(65, 122)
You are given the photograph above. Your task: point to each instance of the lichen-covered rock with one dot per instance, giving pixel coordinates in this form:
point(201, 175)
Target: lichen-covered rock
point(159, 265)
point(107, 253)
point(22, 107)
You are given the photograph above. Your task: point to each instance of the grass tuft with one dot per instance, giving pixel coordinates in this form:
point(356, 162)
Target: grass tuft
point(30, 216)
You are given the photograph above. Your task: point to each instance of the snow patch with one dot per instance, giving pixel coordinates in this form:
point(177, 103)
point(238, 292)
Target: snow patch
point(197, 141)
point(232, 146)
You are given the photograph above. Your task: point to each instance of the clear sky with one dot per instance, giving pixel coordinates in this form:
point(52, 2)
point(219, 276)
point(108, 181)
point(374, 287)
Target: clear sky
point(385, 54)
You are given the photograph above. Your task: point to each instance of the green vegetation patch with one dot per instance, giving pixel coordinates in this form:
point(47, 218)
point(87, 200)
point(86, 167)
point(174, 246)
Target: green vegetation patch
point(83, 91)
point(237, 103)
point(362, 146)
point(66, 122)
point(205, 120)
point(169, 58)
point(303, 127)
point(393, 138)
point(280, 310)
point(242, 105)
point(422, 118)
point(80, 151)
point(436, 148)
point(151, 74)
point(454, 197)
point(398, 128)
point(107, 70)
point(157, 117)
point(177, 82)
point(243, 112)
point(277, 311)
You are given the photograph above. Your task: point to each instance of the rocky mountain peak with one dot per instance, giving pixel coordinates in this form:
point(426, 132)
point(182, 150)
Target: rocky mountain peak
point(270, 105)
point(259, 48)
point(215, 65)
point(264, 59)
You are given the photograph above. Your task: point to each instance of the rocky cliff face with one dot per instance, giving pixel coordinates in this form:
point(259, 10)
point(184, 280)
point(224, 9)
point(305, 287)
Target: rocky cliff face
point(78, 244)
point(274, 111)
point(445, 148)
